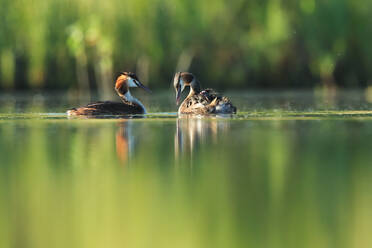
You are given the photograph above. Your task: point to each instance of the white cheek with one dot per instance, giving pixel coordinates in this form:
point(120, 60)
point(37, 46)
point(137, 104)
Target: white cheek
point(183, 86)
point(131, 83)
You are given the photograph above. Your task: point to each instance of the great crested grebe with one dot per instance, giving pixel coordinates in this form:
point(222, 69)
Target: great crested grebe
point(199, 102)
point(129, 104)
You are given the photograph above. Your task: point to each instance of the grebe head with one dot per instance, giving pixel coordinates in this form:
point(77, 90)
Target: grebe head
point(126, 80)
point(183, 79)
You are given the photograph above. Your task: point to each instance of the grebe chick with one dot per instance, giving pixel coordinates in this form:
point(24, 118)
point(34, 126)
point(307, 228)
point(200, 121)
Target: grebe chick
point(129, 104)
point(199, 102)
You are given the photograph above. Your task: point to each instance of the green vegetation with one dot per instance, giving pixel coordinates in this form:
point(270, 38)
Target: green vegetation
point(68, 44)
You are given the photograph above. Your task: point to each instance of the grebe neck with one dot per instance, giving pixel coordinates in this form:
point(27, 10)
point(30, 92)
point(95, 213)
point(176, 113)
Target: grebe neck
point(127, 97)
point(194, 88)
point(193, 91)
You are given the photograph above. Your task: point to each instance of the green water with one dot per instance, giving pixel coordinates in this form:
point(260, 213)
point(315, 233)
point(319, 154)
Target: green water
point(289, 170)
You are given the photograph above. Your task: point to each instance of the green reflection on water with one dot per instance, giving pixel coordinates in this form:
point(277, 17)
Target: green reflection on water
point(263, 179)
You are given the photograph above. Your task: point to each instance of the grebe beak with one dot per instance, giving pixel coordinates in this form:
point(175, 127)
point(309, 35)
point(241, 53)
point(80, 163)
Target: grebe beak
point(139, 84)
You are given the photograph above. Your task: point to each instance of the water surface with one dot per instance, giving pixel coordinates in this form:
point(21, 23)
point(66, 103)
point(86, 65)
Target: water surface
point(291, 169)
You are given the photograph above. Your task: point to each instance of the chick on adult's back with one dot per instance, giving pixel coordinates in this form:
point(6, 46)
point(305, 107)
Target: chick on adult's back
point(129, 104)
point(199, 102)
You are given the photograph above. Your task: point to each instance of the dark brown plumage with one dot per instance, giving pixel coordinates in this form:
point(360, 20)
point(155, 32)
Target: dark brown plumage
point(129, 104)
point(200, 102)
point(107, 108)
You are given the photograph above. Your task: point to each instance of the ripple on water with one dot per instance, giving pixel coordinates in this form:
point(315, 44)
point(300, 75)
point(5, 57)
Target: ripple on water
point(259, 115)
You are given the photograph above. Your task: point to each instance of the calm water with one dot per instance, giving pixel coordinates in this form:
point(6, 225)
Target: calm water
point(290, 170)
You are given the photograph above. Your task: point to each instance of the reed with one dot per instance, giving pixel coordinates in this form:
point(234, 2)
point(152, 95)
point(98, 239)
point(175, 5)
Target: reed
point(68, 44)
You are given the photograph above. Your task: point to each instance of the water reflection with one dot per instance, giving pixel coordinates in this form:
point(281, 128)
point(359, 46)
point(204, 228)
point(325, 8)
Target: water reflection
point(125, 141)
point(264, 182)
point(193, 133)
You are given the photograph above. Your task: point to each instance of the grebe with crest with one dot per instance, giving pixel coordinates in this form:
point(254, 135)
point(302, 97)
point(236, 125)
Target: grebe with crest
point(199, 102)
point(129, 105)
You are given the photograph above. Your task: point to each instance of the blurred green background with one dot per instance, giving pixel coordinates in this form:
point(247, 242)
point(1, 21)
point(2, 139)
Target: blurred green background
point(80, 44)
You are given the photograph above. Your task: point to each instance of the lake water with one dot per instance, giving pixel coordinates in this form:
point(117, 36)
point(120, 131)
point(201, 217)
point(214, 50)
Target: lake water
point(291, 169)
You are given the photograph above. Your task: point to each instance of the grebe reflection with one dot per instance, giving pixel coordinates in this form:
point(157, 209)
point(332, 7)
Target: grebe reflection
point(125, 142)
point(193, 133)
